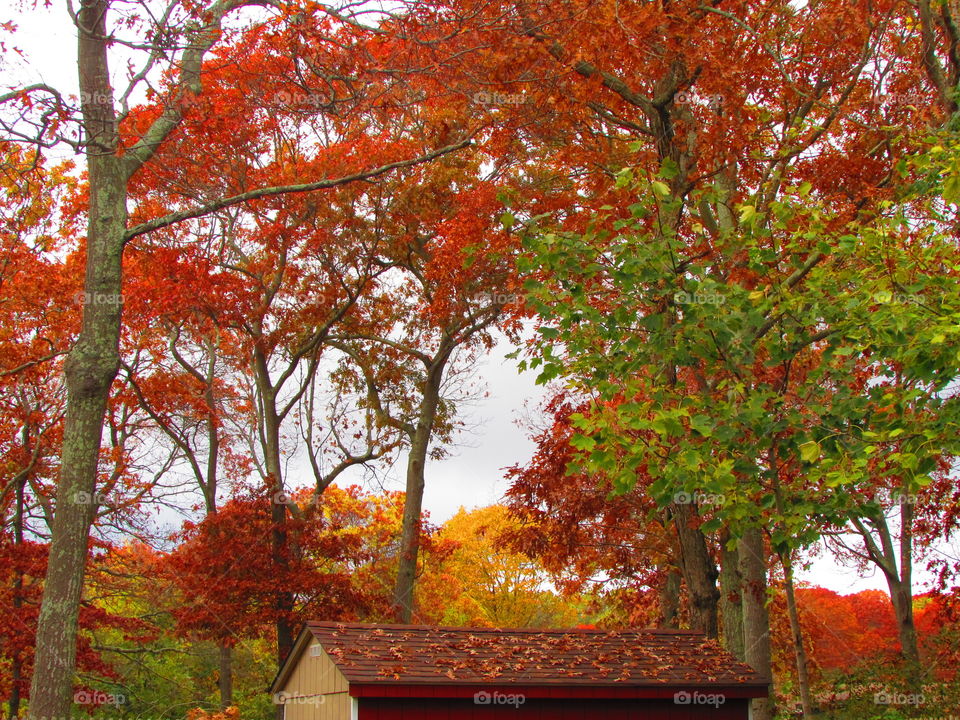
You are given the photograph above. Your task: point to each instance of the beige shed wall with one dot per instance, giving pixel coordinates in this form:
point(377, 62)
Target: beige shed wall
point(315, 690)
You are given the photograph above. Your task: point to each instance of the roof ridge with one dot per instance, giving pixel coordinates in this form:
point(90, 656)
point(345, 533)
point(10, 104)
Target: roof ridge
point(472, 629)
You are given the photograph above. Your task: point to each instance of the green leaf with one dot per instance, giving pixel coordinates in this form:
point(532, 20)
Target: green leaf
point(702, 424)
point(583, 442)
point(951, 189)
point(669, 169)
point(810, 451)
point(660, 188)
point(711, 526)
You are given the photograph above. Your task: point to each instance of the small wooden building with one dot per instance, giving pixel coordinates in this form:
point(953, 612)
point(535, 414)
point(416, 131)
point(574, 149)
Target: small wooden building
point(342, 671)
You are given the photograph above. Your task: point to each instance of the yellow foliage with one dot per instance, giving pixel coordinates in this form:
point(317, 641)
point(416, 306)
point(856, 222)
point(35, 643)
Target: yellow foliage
point(231, 713)
point(480, 582)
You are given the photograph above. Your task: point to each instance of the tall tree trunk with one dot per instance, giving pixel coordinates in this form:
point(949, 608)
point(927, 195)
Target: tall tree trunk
point(756, 619)
point(90, 370)
point(16, 662)
point(698, 568)
point(284, 602)
point(225, 681)
point(210, 483)
point(786, 561)
point(16, 677)
point(901, 596)
point(901, 593)
point(800, 653)
point(413, 501)
point(731, 598)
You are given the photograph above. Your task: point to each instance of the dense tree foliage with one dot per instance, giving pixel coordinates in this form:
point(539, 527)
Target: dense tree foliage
point(723, 234)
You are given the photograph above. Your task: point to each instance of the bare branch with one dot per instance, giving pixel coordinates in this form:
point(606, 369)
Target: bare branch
point(215, 205)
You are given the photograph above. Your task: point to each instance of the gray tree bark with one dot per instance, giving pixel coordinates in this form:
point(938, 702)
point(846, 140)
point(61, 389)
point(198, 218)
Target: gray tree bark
point(670, 598)
point(403, 598)
point(92, 364)
point(731, 599)
point(796, 631)
point(90, 370)
point(225, 678)
point(756, 618)
point(698, 569)
point(895, 561)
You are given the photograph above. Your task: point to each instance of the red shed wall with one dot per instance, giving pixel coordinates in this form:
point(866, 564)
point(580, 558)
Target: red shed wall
point(372, 708)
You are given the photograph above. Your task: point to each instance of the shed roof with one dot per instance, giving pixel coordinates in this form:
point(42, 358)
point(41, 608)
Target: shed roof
point(411, 655)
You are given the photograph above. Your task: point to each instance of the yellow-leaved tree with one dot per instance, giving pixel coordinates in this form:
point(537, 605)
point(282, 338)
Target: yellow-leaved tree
point(473, 579)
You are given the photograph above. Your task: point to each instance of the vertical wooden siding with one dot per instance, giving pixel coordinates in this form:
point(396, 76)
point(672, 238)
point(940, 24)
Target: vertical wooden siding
point(316, 690)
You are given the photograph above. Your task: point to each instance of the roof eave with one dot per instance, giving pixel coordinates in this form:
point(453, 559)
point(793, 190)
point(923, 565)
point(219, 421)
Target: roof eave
point(745, 691)
point(290, 662)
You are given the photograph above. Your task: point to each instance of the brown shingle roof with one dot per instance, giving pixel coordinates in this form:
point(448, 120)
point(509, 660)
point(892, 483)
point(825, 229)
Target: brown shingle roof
point(408, 654)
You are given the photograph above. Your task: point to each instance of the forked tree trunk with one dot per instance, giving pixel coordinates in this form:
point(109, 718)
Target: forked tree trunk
point(279, 541)
point(897, 569)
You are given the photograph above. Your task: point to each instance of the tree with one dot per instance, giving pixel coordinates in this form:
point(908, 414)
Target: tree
point(583, 536)
point(228, 582)
point(38, 321)
point(480, 580)
point(702, 168)
point(748, 404)
point(181, 37)
point(425, 353)
point(447, 287)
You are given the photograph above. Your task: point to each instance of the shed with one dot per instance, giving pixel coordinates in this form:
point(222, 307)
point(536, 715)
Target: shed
point(352, 671)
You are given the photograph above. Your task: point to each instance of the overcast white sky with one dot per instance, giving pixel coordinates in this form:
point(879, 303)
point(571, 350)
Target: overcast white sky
point(473, 475)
